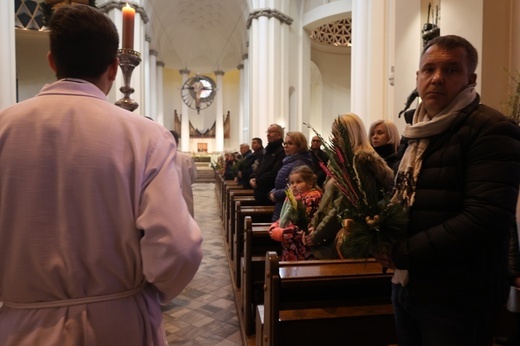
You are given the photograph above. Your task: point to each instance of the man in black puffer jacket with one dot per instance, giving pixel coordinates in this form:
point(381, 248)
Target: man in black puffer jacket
point(263, 179)
point(459, 176)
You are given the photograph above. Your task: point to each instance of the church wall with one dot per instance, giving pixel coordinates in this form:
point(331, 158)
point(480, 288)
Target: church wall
point(171, 95)
point(32, 69)
point(495, 55)
point(468, 26)
point(408, 44)
point(231, 103)
point(335, 74)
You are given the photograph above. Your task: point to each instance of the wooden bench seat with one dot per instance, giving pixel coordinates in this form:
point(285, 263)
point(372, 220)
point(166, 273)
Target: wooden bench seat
point(227, 186)
point(258, 214)
point(339, 302)
point(256, 243)
point(231, 196)
point(234, 196)
point(219, 181)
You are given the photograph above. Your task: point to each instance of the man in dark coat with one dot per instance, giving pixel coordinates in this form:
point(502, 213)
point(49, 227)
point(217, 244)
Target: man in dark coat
point(251, 164)
point(263, 179)
point(459, 176)
point(242, 163)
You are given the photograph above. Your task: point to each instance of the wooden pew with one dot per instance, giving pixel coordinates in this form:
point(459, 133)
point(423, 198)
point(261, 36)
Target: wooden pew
point(243, 195)
point(341, 302)
point(258, 214)
point(235, 192)
point(256, 243)
point(219, 181)
point(244, 201)
point(223, 185)
point(227, 186)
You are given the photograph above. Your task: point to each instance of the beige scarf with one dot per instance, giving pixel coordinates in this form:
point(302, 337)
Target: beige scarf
point(418, 136)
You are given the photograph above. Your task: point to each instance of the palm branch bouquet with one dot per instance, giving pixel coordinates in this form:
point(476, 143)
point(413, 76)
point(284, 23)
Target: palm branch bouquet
point(371, 223)
point(296, 211)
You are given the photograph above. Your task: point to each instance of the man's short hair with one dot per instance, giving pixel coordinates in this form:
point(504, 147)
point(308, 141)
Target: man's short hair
point(450, 42)
point(83, 41)
point(278, 128)
point(259, 140)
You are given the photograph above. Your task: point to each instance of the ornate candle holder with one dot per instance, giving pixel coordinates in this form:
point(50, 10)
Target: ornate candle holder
point(128, 60)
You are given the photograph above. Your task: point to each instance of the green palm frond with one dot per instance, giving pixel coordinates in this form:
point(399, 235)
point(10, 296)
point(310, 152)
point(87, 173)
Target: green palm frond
point(376, 224)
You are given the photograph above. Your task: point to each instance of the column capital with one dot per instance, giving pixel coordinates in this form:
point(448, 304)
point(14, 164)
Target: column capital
point(110, 5)
point(148, 38)
point(219, 73)
point(240, 66)
point(154, 52)
point(269, 13)
point(245, 56)
point(160, 63)
point(184, 71)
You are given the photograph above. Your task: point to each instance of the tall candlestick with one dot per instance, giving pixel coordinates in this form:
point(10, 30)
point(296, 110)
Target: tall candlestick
point(128, 27)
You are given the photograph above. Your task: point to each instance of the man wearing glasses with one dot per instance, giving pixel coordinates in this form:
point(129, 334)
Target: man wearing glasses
point(263, 179)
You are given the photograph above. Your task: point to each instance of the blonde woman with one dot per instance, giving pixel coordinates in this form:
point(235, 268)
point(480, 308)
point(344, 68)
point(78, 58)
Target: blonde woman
point(296, 154)
point(384, 137)
point(325, 225)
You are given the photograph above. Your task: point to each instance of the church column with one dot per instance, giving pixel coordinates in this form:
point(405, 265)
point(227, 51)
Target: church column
point(269, 66)
point(185, 120)
point(240, 68)
point(369, 70)
point(153, 84)
point(406, 48)
point(160, 87)
point(219, 125)
point(245, 131)
point(7, 55)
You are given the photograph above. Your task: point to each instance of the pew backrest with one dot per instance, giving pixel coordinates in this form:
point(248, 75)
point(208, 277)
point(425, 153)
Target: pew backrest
point(294, 289)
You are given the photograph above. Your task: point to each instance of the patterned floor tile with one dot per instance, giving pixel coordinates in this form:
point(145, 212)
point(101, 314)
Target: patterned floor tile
point(205, 312)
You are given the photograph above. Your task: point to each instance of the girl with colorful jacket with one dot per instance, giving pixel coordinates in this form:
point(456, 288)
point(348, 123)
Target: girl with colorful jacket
point(302, 201)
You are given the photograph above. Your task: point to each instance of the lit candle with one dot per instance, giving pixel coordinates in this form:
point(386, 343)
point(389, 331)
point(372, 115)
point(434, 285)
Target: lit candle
point(128, 27)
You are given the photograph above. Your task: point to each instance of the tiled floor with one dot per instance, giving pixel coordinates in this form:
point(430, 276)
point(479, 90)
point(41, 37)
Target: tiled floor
point(205, 313)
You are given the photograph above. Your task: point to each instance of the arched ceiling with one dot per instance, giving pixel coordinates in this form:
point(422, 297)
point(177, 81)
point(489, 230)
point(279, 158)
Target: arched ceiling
point(200, 35)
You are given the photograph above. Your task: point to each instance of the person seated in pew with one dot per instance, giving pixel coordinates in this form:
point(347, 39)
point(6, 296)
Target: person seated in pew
point(326, 224)
point(291, 227)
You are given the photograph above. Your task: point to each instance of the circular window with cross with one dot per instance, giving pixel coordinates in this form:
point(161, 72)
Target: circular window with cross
point(198, 92)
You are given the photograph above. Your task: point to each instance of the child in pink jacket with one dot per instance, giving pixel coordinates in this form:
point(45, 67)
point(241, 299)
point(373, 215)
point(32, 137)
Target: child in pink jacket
point(289, 229)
